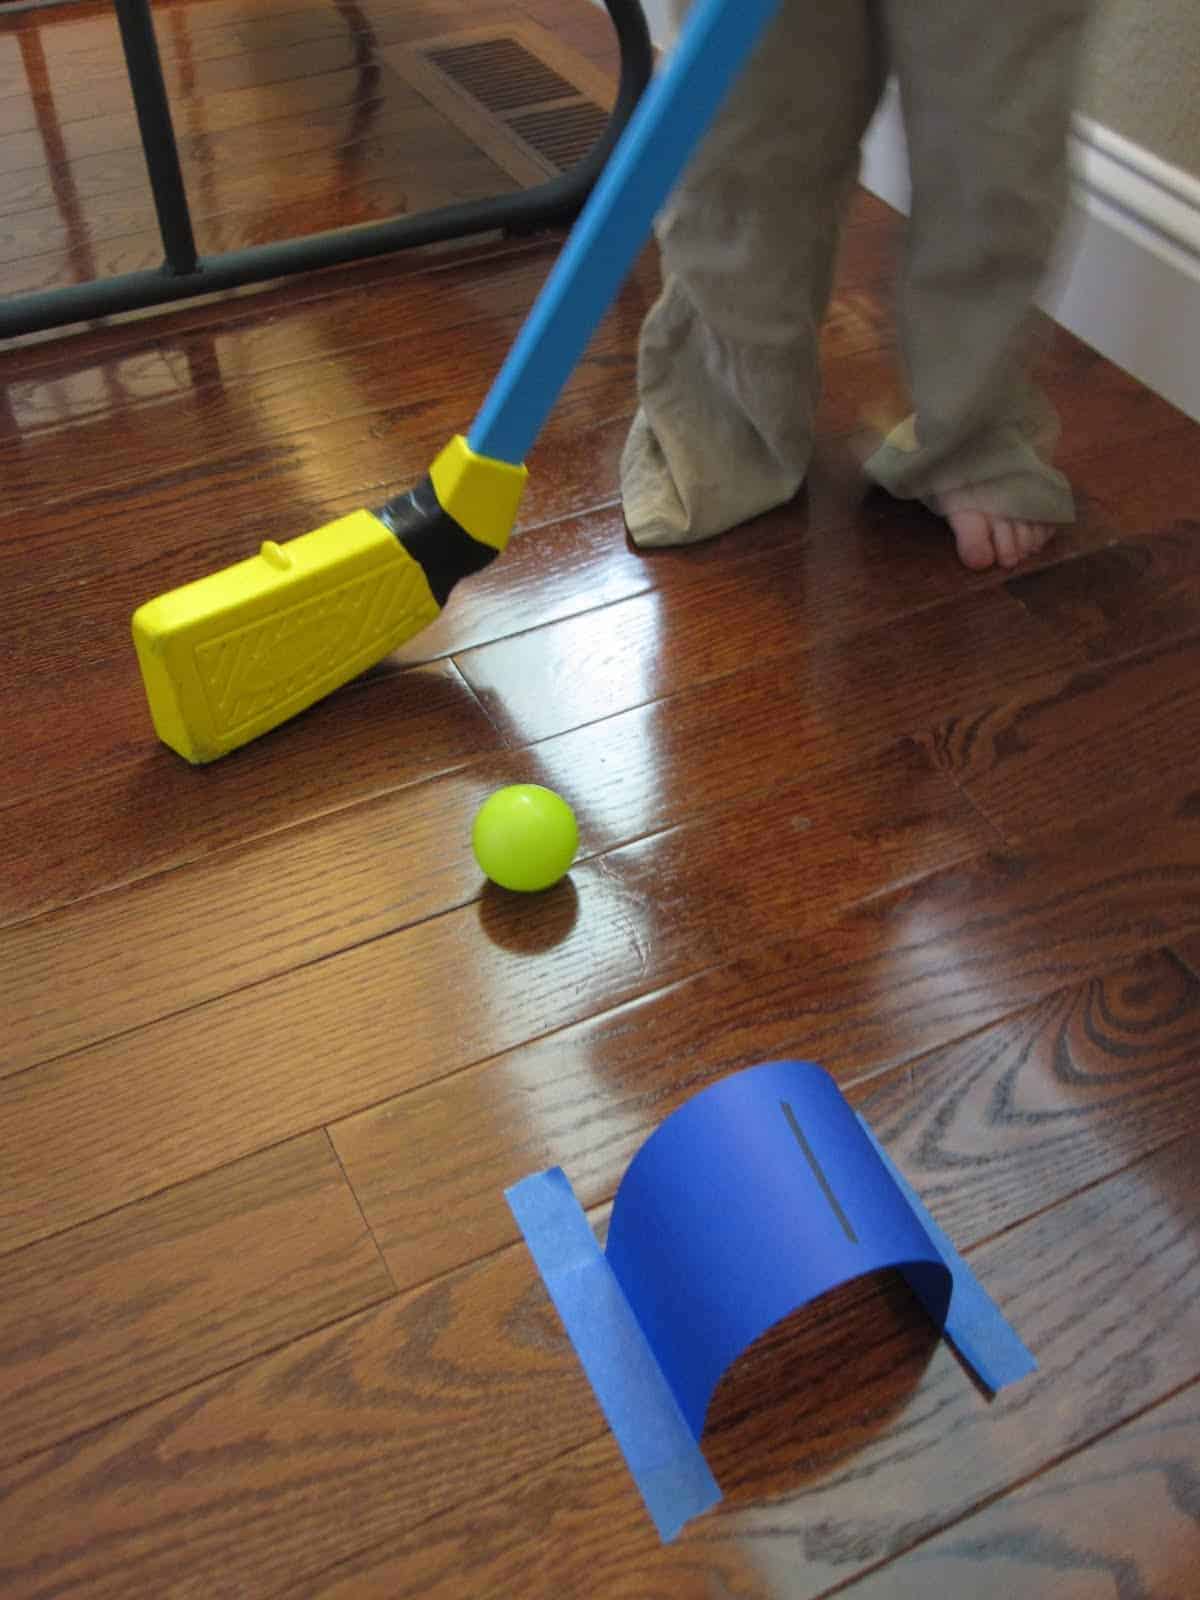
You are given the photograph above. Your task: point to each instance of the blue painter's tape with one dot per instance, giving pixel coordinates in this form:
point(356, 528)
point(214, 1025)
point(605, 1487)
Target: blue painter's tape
point(666, 1462)
point(756, 1197)
point(974, 1324)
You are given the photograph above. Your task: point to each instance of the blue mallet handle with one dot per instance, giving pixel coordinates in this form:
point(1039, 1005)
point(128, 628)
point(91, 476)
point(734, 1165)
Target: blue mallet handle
point(668, 124)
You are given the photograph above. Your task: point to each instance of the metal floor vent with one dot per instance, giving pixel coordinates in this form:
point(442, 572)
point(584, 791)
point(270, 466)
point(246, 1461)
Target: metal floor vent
point(502, 75)
point(564, 135)
point(556, 120)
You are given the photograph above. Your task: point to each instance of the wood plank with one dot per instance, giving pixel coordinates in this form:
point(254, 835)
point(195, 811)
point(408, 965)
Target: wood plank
point(303, 895)
point(1039, 1104)
point(335, 1439)
point(153, 811)
point(256, 339)
point(256, 201)
point(838, 1441)
point(388, 733)
point(1149, 489)
point(252, 335)
point(363, 326)
point(1068, 743)
point(380, 734)
point(1188, 951)
point(1047, 1101)
point(447, 333)
point(434, 323)
point(81, 50)
point(520, 968)
point(466, 176)
point(253, 74)
point(604, 662)
point(159, 326)
point(112, 1316)
point(1117, 1518)
point(562, 569)
point(848, 1436)
point(907, 971)
point(1133, 595)
point(233, 109)
point(220, 1081)
point(209, 158)
point(846, 562)
point(295, 475)
point(86, 630)
point(66, 397)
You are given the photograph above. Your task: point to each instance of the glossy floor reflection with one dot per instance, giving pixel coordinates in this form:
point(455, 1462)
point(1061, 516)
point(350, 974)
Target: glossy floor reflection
point(271, 1051)
point(291, 118)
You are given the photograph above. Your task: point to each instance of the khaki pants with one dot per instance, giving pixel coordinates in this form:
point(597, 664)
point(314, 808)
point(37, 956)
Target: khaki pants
point(728, 365)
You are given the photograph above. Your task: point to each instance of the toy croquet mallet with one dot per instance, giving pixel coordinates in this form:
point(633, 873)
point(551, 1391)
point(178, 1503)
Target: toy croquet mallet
point(232, 655)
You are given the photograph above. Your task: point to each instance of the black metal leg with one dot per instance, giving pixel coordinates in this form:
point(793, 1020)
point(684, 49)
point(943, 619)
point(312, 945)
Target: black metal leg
point(548, 205)
point(158, 134)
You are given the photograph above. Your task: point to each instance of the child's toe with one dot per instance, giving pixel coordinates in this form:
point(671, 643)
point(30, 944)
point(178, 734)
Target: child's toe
point(1033, 536)
point(973, 536)
point(1004, 537)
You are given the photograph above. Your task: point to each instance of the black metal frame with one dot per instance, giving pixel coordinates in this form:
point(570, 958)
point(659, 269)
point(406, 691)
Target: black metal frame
point(185, 274)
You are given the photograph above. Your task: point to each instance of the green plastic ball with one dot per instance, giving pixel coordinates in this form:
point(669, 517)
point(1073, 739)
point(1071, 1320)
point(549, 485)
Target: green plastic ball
point(525, 837)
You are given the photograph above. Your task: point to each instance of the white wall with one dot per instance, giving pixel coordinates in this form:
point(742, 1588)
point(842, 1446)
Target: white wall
point(1143, 77)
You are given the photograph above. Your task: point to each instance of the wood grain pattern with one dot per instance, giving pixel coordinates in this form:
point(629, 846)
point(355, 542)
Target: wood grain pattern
point(1188, 951)
point(232, 72)
point(313, 1045)
point(1106, 1288)
point(288, 902)
point(874, 978)
point(1063, 1536)
point(1048, 1100)
point(868, 245)
point(1148, 490)
point(1118, 729)
point(648, 648)
point(252, 202)
point(1131, 596)
point(1027, 1106)
point(371, 335)
point(385, 743)
point(69, 842)
point(622, 925)
point(838, 798)
point(109, 1317)
point(256, 480)
point(295, 1458)
point(386, 732)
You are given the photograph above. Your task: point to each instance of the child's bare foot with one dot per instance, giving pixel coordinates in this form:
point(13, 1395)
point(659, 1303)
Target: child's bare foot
point(983, 538)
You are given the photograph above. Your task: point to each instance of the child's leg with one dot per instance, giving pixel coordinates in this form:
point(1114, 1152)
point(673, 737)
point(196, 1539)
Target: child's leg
point(727, 369)
point(988, 91)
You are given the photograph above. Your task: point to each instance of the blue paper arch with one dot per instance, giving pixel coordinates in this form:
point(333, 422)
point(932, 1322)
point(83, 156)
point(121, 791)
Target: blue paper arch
point(755, 1198)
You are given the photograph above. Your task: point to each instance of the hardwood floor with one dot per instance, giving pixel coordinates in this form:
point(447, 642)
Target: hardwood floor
point(271, 1053)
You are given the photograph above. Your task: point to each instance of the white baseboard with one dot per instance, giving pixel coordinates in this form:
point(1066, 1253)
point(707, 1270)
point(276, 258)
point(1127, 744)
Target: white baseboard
point(1129, 284)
